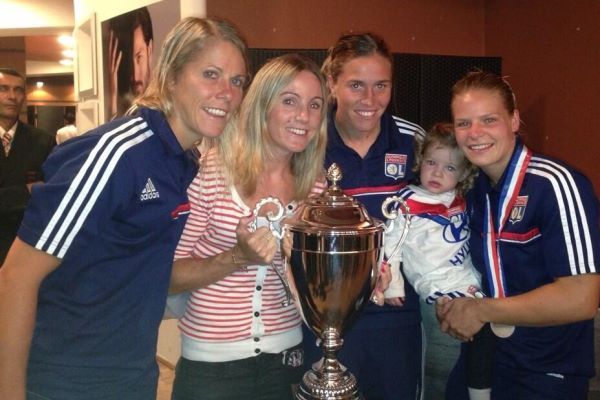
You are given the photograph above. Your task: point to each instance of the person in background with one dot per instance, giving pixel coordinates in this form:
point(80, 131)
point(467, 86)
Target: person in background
point(374, 149)
point(238, 340)
point(536, 241)
point(68, 131)
point(435, 255)
point(24, 150)
point(130, 47)
point(83, 288)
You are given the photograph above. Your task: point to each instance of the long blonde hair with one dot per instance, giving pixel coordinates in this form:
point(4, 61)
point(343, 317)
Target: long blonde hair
point(183, 44)
point(244, 146)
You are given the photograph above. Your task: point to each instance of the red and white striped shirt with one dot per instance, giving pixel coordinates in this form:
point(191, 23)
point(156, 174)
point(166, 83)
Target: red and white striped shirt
point(241, 315)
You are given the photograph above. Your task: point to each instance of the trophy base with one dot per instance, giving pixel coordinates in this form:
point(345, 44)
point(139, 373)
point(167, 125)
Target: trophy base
point(338, 386)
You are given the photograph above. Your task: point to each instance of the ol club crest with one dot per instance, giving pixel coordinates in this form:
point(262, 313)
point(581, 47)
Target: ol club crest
point(518, 210)
point(395, 165)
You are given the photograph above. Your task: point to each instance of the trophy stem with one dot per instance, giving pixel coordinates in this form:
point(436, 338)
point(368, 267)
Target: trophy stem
point(328, 379)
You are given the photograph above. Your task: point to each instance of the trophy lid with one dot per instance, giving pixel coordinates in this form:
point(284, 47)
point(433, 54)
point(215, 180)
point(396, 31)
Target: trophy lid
point(334, 211)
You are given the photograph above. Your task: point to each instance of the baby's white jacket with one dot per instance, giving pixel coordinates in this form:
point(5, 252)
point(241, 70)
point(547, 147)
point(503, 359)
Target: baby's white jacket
point(435, 256)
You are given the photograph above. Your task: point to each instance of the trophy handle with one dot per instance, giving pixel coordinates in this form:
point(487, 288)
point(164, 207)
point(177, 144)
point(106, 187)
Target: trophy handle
point(391, 207)
point(398, 206)
point(278, 231)
point(273, 218)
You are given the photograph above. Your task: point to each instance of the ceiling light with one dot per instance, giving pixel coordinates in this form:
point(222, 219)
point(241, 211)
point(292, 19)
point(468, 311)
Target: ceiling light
point(39, 84)
point(66, 62)
point(66, 40)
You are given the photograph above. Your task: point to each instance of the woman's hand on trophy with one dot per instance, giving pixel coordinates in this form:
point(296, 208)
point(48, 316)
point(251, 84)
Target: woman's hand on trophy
point(254, 248)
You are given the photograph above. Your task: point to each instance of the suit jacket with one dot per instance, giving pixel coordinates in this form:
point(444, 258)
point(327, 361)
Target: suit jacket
point(29, 149)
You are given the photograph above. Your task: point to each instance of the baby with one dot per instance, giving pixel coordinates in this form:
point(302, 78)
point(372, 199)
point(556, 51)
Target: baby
point(435, 256)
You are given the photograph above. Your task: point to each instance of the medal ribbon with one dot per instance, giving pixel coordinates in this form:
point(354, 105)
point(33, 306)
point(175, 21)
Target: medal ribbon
point(510, 190)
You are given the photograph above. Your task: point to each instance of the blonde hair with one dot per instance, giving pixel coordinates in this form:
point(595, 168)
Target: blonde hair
point(183, 44)
point(442, 135)
point(244, 146)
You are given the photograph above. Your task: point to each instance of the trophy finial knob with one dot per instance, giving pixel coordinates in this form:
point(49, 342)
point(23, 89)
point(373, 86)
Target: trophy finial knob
point(334, 174)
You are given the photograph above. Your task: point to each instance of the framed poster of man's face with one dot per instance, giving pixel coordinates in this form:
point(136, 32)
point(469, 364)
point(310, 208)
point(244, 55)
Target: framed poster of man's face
point(131, 44)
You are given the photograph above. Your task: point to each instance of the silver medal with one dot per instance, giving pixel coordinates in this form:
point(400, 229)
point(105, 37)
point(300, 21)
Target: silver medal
point(501, 330)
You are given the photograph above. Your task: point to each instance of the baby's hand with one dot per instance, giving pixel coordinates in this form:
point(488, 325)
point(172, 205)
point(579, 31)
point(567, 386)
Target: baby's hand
point(394, 292)
point(377, 297)
point(385, 277)
point(383, 281)
point(395, 301)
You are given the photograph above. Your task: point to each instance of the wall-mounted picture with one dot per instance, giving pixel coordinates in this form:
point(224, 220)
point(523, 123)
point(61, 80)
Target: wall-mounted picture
point(131, 44)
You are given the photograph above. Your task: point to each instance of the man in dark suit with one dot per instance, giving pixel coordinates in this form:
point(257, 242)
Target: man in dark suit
point(24, 149)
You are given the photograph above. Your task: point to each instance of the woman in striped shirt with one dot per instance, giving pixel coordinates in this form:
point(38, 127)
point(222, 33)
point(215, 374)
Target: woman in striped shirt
point(238, 340)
